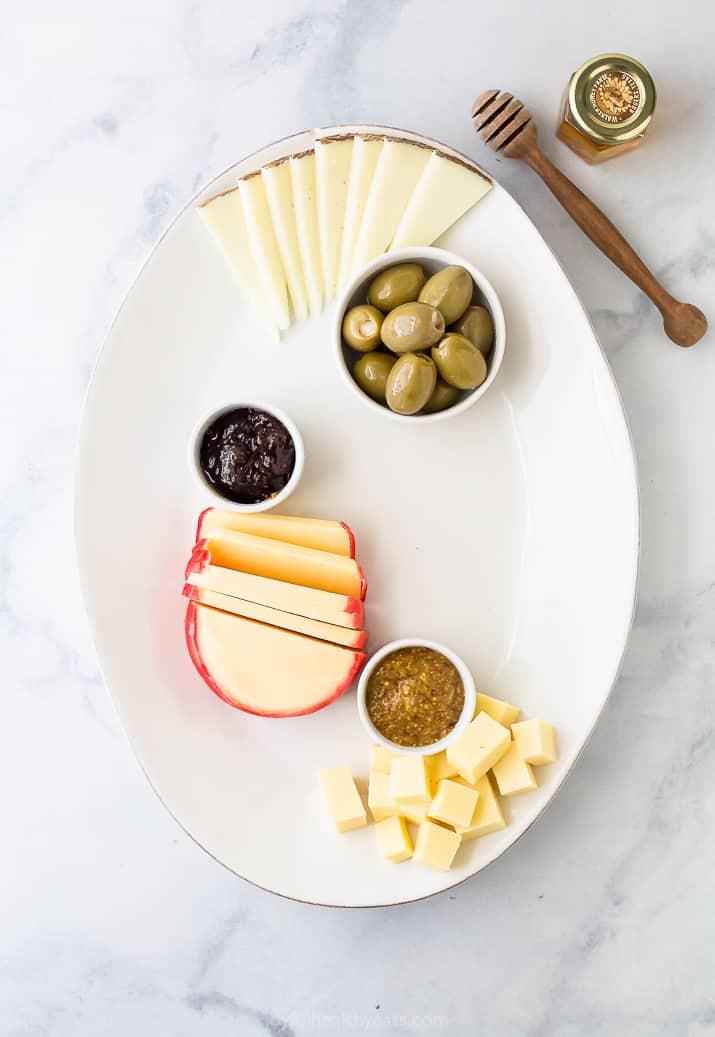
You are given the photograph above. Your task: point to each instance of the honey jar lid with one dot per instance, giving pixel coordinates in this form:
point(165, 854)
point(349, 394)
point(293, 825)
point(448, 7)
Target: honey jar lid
point(612, 98)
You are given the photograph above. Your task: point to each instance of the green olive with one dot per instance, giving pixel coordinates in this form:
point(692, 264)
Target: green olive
point(371, 371)
point(459, 362)
point(361, 327)
point(412, 326)
point(476, 325)
point(396, 285)
point(450, 290)
point(443, 396)
point(410, 383)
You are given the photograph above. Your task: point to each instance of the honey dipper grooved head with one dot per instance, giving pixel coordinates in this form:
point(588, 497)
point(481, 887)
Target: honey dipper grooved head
point(500, 119)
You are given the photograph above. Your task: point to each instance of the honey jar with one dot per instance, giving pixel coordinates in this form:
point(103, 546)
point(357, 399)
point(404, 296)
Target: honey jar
point(607, 107)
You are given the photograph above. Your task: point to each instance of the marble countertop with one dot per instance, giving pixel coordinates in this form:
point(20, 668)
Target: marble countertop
point(599, 921)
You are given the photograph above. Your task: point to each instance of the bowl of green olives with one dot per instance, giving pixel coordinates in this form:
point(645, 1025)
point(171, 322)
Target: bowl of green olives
point(419, 334)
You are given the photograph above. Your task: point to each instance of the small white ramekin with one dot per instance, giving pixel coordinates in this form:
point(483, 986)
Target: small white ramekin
point(195, 463)
point(470, 697)
point(432, 259)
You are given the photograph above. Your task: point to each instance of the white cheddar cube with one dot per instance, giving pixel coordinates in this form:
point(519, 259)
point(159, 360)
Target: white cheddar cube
point(393, 839)
point(414, 812)
point(487, 817)
point(500, 711)
point(439, 767)
point(408, 780)
point(436, 846)
point(454, 803)
point(343, 799)
point(379, 800)
point(380, 759)
point(513, 775)
point(535, 741)
point(479, 746)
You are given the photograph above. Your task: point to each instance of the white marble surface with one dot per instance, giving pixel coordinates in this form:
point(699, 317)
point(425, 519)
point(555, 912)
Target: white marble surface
point(600, 920)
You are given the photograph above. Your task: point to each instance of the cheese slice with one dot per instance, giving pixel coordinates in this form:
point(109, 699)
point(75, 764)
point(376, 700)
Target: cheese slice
point(263, 669)
point(398, 169)
point(305, 206)
point(263, 245)
point(223, 216)
point(444, 192)
point(279, 192)
point(339, 609)
point(362, 166)
point(322, 534)
point(332, 171)
point(338, 635)
point(288, 562)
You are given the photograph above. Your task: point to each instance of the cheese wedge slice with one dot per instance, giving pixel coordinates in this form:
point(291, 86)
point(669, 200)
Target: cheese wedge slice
point(321, 534)
point(398, 169)
point(288, 562)
point(263, 669)
point(362, 167)
point(264, 248)
point(224, 218)
point(338, 609)
point(332, 172)
point(279, 192)
point(444, 192)
point(347, 636)
point(305, 206)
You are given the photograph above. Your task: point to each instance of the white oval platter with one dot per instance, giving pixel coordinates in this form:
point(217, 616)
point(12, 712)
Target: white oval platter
point(510, 534)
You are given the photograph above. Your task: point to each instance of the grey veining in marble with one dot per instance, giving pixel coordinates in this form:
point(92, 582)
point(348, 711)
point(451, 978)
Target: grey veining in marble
point(600, 920)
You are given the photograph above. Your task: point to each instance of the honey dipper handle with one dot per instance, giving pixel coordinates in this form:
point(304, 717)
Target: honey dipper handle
point(684, 324)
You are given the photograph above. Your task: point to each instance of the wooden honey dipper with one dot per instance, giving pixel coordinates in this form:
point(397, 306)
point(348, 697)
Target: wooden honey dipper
point(505, 125)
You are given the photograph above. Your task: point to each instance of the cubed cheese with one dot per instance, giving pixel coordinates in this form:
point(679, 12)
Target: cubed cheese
point(478, 747)
point(439, 767)
point(379, 800)
point(408, 780)
point(414, 812)
point(513, 775)
point(380, 759)
point(535, 741)
point(487, 815)
point(343, 799)
point(393, 839)
point(454, 803)
point(500, 711)
point(436, 846)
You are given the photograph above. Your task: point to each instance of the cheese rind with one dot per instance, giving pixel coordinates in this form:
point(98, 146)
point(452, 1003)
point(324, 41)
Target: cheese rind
point(513, 775)
point(408, 780)
point(454, 803)
point(343, 799)
point(535, 741)
point(487, 817)
point(332, 172)
point(331, 632)
point(279, 192)
point(302, 173)
point(393, 840)
point(379, 800)
point(362, 167)
point(303, 601)
point(478, 747)
point(264, 670)
point(264, 248)
point(502, 712)
point(444, 192)
point(436, 846)
point(290, 563)
point(320, 534)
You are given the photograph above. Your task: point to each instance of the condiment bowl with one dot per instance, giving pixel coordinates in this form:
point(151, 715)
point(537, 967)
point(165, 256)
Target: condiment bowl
point(432, 260)
point(470, 697)
point(195, 461)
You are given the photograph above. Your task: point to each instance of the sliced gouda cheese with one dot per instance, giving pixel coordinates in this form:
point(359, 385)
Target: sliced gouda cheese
point(339, 635)
point(322, 534)
point(302, 173)
point(332, 171)
point(263, 669)
point(279, 191)
point(362, 166)
point(265, 250)
point(288, 562)
point(444, 192)
point(302, 601)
